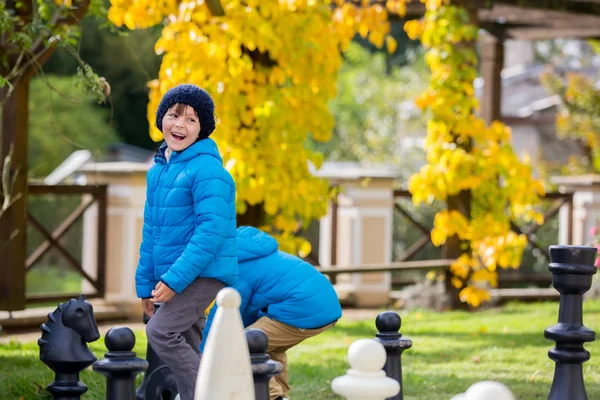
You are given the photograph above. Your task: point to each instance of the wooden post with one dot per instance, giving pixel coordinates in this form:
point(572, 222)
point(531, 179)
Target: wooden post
point(14, 136)
point(13, 220)
point(334, 224)
point(102, 200)
point(492, 62)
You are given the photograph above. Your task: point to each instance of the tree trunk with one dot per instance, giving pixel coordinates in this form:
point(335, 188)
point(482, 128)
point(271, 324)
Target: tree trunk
point(254, 216)
point(454, 248)
point(14, 219)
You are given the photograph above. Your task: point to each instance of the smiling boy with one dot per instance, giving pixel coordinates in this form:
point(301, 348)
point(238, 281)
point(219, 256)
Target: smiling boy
point(188, 251)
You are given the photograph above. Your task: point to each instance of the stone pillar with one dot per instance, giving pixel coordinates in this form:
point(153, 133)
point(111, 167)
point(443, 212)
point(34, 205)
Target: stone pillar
point(125, 217)
point(586, 208)
point(364, 231)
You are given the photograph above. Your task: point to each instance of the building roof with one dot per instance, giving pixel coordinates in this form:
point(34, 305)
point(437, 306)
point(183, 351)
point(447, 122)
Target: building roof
point(347, 170)
point(522, 93)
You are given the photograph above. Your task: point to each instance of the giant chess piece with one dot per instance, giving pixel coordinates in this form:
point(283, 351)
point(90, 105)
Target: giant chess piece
point(159, 382)
point(263, 368)
point(365, 380)
point(63, 346)
point(572, 269)
point(388, 324)
point(120, 365)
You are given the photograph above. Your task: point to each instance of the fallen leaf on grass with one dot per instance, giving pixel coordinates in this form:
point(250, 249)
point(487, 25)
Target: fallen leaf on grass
point(536, 373)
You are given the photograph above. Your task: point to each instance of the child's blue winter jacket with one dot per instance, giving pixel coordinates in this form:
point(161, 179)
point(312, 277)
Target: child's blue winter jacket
point(280, 286)
point(189, 220)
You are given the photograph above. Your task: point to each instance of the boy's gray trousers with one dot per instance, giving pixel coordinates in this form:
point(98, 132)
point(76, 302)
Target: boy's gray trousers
point(175, 332)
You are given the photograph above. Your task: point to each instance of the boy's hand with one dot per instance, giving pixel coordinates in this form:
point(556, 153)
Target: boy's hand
point(162, 293)
point(148, 307)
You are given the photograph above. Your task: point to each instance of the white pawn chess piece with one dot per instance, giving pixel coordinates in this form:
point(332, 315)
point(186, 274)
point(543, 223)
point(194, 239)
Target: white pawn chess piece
point(225, 371)
point(486, 390)
point(366, 380)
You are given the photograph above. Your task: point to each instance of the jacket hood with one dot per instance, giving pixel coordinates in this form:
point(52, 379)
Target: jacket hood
point(204, 146)
point(253, 243)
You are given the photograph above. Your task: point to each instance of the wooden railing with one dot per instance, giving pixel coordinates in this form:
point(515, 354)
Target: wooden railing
point(403, 261)
point(425, 237)
point(426, 265)
point(561, 199)
point(96, 195)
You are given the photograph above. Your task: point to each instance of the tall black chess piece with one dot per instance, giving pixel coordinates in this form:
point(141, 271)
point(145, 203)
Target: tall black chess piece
point(388, 325)
point(263, 368)
point(63, 346)
point(120, 365)
point(572, 269)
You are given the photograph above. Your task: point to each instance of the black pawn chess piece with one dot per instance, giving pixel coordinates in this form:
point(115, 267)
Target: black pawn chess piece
point(159, 382)
point(263, 368)
point(120, 365)
point(63, 346)
point(388, 324)
point(572, 269)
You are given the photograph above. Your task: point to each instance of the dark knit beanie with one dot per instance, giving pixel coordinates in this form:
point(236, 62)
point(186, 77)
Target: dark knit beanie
point(194, 97)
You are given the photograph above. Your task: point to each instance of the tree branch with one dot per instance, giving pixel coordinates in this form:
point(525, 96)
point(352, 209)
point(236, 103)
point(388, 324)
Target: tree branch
point(8, 183)
point(40, 50)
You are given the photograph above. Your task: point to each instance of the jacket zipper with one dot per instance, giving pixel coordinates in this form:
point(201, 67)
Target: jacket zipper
point(156, 232)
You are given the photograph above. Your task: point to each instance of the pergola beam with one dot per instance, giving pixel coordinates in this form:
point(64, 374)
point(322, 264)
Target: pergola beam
point(525, 23)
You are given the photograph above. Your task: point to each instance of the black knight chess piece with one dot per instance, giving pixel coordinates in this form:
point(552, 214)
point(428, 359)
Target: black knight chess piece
point(64, 349)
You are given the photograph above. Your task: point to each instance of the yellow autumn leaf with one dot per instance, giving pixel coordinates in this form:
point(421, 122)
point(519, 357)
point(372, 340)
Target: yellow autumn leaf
point(115, 16)
point(129, 20)
point(413, 29)
point(438, 236)
point(391, 44)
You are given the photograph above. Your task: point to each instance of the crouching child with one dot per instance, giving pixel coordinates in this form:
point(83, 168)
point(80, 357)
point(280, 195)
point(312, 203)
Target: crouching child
point(282, 295)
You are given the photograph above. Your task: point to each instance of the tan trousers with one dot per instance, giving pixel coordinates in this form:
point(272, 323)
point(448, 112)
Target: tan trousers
point(281, 338)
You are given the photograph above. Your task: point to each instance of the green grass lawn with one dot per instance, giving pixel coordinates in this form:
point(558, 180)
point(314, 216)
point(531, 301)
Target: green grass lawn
point(53, 279)
point(450, 352)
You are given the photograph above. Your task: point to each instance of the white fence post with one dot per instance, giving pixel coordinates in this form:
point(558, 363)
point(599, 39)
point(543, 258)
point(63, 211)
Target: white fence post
point(225, 371)
point(486, 390)
point(366, 380)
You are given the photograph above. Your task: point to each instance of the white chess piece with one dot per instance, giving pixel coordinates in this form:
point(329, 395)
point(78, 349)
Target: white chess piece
point(366, 380)
point(486, 390)
point(225, 371)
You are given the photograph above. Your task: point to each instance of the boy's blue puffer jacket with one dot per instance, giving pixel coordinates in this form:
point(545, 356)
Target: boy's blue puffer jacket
point(280, 286)
point(189, 220)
